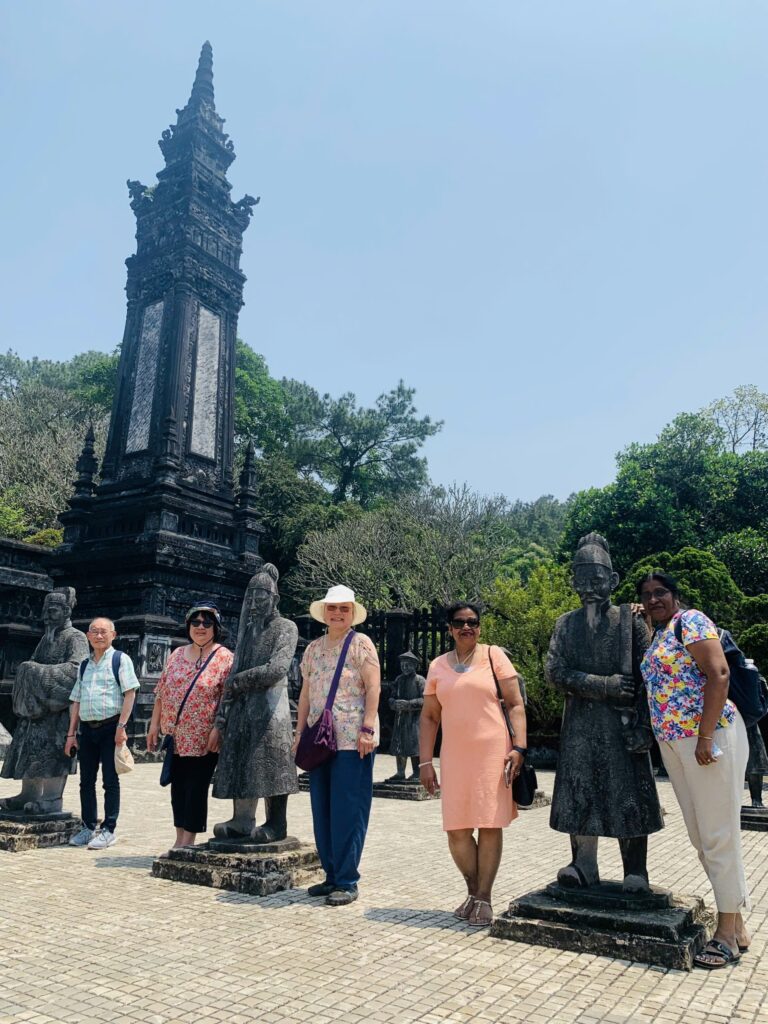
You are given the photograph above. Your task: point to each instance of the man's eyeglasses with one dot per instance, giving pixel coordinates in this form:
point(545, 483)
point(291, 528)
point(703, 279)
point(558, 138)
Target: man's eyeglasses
point(656, 594)
point(461, 623)
point(99, 632)
point(202, 623)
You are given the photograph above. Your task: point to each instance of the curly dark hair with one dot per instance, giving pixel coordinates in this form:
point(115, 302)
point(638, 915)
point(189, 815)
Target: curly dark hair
point(458, 606)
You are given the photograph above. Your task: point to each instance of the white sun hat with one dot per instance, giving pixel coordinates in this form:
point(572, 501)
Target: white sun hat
point(338, 595)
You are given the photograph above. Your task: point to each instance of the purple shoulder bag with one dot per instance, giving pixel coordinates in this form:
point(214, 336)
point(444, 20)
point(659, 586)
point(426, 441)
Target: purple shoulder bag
point(318, 742)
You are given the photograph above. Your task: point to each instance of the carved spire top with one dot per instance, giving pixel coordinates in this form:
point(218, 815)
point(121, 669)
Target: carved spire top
point(246, 494)
point(87, 467)
point(202, 89)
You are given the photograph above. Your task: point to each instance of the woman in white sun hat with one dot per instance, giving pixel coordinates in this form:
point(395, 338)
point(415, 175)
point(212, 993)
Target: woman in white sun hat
point(341, 789)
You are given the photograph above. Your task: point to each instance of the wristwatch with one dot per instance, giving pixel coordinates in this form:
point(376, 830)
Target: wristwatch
point(120, 725)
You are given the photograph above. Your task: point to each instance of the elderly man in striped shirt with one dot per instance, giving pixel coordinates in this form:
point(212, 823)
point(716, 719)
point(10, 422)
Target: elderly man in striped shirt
point(102, 701)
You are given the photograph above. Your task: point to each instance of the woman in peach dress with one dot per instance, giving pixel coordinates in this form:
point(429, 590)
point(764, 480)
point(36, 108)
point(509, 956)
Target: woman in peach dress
point(461, 695)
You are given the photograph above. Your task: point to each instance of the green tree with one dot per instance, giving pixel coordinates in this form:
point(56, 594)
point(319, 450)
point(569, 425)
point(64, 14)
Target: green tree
point(742, 418)
point(522, 617)
point(745, 554)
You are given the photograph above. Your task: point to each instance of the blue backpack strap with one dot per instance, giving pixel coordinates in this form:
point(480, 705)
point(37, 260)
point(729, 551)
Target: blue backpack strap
point(679, 629)
point(116, 656)
point(83, 666)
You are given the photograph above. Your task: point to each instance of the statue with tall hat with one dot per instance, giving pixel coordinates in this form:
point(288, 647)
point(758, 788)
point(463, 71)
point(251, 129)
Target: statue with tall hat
point(255, 760)
point(604, 785)
point(40, 700)
point(406, 700)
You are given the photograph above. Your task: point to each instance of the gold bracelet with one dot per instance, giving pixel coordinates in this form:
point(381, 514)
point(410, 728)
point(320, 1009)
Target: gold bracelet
point(702, 737)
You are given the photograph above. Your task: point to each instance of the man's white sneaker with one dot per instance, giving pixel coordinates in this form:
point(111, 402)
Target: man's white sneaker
point(83, 837)
point(102, 840)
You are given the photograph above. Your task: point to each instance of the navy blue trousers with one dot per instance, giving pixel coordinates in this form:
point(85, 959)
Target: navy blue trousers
point(341, 791)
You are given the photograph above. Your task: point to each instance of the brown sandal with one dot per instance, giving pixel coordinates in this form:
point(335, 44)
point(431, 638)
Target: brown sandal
point(462, 913)
point(473, 919)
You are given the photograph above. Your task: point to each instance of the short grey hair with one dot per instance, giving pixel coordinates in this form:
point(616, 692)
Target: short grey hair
point(103, 618)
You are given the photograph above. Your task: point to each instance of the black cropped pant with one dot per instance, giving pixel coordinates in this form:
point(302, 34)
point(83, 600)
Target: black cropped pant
point(190, 780)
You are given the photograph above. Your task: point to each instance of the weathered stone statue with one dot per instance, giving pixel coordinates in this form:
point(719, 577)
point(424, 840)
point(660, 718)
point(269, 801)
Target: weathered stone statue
point(757, 765)
point(255, 759)
point(406, 701)
point(604, 784)
point(41, 702)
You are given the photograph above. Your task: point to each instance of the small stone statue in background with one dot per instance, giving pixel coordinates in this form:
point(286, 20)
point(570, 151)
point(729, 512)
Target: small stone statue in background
point(406, 701)
point(604, 784)
point(41, 702)
point(255, 718)
point(757, 765)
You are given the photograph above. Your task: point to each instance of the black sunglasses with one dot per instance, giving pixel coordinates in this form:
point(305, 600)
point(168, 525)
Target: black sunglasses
point(461, 623)
point(205, 623)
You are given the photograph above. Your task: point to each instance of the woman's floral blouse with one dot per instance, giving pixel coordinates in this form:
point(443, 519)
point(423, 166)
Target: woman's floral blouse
point(674, 682)
point(318, 666)
point(190, 736)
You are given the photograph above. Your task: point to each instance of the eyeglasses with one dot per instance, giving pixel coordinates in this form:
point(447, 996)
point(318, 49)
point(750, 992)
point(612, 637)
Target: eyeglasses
point(99, 632)
point(656, 594)
point(202, 623)
point(461, 623)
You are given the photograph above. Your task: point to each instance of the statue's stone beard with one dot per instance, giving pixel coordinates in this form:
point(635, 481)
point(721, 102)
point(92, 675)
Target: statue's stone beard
point(593, 610)
point(50, 633)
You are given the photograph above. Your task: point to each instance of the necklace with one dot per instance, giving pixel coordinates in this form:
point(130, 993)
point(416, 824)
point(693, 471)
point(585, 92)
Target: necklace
point(199, 662)
point(462, 664)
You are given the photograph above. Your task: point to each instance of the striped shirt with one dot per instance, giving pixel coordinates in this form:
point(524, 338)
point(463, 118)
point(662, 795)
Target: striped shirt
point(99, 695)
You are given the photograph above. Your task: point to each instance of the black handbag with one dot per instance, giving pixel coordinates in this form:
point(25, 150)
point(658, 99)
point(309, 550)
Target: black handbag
point(167, 745)
point(525, 784)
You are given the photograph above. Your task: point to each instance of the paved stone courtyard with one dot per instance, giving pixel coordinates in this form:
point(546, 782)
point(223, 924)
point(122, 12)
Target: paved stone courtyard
point(90, 936)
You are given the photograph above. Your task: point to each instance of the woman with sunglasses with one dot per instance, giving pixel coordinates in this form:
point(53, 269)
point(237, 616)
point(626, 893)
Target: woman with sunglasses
point(195, 738)
point(475, 789)
point(703, 743)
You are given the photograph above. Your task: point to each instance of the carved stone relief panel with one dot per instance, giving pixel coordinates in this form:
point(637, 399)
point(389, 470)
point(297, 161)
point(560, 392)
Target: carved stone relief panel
point(206, 385)
point(140, 421)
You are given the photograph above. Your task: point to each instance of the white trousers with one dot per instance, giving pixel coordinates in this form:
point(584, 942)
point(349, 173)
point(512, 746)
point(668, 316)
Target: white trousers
point(710, 798)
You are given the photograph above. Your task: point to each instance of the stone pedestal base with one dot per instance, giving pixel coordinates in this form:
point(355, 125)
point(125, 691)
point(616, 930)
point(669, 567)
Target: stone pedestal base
point(754, 819)
point(658, 928)
point(20, 831)
point(402, 791)
point(388, 790)
point(243, 867)
point(540, 799)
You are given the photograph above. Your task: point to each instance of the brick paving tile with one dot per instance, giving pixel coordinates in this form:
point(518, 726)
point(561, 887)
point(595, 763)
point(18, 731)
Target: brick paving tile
point(102, 940)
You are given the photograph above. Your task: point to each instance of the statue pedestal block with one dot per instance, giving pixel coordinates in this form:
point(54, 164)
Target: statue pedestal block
point(20, 831)
point(402, 791)
point(754, 819)
point(243, 867)
point(388, 790)
point(540, 799)
point(658, 928)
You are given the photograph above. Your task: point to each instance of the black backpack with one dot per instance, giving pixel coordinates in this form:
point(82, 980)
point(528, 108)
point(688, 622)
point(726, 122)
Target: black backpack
point(747, 689)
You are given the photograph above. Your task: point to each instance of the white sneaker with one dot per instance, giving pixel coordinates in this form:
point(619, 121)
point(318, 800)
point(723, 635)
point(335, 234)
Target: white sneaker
point(83, 837)
point(102, 840)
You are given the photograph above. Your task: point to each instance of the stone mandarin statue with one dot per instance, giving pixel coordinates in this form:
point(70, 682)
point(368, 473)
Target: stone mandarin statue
point(406, 701)
point(604, 784)
point(255, 719)
point(41, 702)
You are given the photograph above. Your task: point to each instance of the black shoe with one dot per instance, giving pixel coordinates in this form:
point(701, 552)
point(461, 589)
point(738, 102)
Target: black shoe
point(321, 889)
point(341, 897)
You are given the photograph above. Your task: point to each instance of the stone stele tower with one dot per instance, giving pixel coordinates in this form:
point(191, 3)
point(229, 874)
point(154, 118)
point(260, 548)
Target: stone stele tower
point(164, 525)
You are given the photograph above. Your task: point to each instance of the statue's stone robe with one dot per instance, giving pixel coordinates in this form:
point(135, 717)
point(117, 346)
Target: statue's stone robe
point(405, 730)
point(601, 788)
point(41, 701)
point(255, 758)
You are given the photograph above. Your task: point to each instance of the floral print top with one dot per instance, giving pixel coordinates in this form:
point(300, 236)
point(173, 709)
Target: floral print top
point(674, 682)
point(317, 668)
point(190, 736)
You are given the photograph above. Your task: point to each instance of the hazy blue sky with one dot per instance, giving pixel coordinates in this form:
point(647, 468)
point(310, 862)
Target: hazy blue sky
point(548, 217)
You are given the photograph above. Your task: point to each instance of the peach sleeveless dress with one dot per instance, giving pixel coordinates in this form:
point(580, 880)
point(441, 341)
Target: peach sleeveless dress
point(475, 742)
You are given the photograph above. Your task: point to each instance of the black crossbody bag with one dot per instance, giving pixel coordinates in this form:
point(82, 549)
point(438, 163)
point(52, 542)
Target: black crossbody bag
point(165, 774)
point(525, 784)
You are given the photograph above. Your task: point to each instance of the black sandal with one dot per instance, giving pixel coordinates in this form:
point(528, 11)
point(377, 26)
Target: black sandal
point(725, 956)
